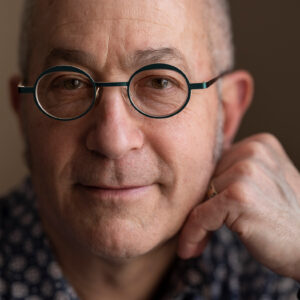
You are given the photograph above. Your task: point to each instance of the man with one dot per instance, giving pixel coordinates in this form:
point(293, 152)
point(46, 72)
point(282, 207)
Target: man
point(128, 110)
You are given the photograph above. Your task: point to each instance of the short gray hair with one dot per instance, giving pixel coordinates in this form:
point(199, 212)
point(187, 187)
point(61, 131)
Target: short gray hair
point(216, 16)
point(217, 19)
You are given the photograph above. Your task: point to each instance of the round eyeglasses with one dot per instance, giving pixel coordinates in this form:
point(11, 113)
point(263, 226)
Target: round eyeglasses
point(157, 91)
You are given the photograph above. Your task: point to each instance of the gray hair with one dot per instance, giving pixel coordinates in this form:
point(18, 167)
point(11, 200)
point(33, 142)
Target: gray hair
point(217, 19)
point(216, 16)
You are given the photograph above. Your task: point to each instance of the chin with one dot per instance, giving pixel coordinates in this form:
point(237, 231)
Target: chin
point(120, 240)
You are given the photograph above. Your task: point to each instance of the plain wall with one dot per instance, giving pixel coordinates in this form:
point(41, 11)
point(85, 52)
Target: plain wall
point(12, 168)
point(267, 43)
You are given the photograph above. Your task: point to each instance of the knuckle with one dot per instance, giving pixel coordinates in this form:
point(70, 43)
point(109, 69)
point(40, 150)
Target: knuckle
point(268, 138)
point(256, 149)
point(245, 168)
point(237, 192)
point(266, 149)
point(234, 191)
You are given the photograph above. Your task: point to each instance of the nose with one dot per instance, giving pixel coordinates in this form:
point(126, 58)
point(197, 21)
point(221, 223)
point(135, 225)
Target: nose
point(115, 130)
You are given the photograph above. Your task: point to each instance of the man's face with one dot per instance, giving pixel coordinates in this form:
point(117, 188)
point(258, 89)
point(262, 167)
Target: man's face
point(114, 181)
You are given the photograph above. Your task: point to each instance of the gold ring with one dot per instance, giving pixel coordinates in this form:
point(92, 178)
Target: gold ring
point(211, 191)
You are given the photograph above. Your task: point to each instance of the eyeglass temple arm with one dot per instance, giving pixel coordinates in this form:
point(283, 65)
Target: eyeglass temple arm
point(25, 89)
point(207, 84)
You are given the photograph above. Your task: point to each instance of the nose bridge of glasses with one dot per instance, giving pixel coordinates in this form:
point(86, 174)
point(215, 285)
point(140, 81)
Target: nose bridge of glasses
point(110, 84)
point(100, 85)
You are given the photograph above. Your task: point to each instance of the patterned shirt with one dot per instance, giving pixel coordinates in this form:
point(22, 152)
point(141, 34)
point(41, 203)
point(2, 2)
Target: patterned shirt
point(29, 270)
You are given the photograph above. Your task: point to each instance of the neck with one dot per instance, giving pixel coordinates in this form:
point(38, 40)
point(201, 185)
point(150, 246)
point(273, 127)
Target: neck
point(93, 277)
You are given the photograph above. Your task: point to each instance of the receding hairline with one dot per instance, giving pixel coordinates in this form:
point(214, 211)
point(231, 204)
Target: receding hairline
point(216, 20)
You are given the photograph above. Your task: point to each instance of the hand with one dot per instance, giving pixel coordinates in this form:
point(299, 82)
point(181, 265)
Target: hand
point(259, 199)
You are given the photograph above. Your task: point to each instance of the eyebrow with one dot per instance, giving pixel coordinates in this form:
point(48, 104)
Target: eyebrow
point(136, 60)
point(151, 56)
point(70, 56)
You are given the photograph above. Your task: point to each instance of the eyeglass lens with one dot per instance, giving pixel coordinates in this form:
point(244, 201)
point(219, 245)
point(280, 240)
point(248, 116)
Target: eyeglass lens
point(65, 95)
point(158, 92)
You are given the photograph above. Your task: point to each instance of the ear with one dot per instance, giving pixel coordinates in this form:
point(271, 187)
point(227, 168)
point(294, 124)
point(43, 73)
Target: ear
point(237, 92)
point(16, 98)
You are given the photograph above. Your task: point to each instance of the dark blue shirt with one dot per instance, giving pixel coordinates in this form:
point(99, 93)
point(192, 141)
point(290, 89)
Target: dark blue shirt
point(29, 270)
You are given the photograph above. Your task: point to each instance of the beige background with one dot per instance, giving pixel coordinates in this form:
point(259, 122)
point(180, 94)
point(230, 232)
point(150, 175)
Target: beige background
point(268, 44)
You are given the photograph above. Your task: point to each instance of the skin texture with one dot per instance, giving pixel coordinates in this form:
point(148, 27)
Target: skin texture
point(104, 238)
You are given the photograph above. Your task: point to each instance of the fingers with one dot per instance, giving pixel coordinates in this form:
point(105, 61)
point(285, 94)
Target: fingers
point(188, 249)
point(261, 161)
point(203, 220)
point(263, 148)
point(244, 172)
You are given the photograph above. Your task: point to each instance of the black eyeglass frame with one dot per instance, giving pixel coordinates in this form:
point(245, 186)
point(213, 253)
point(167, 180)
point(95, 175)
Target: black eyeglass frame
point(191, 86)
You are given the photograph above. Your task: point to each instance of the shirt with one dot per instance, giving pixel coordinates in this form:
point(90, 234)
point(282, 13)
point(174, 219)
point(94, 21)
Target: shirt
point(29, 269)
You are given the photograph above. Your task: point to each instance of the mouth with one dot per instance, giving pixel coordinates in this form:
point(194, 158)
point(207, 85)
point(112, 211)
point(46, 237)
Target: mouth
point(107, 193)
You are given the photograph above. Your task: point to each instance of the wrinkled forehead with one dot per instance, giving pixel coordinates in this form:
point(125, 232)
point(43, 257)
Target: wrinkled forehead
point(168, 12)
point(121, 27)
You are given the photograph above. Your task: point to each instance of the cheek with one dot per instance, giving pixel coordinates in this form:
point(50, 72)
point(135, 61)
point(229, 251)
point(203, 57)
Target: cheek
point(188, 139)
point(51, 146)
point(186, 144)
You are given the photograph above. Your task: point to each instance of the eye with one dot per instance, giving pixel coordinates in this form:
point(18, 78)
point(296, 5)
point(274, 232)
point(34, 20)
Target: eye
point(160, 83)
point(72, 84)
point(68, 83)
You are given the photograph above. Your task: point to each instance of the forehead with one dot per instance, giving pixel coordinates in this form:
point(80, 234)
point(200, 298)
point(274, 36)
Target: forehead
point(168, 13)
point(113, 30)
